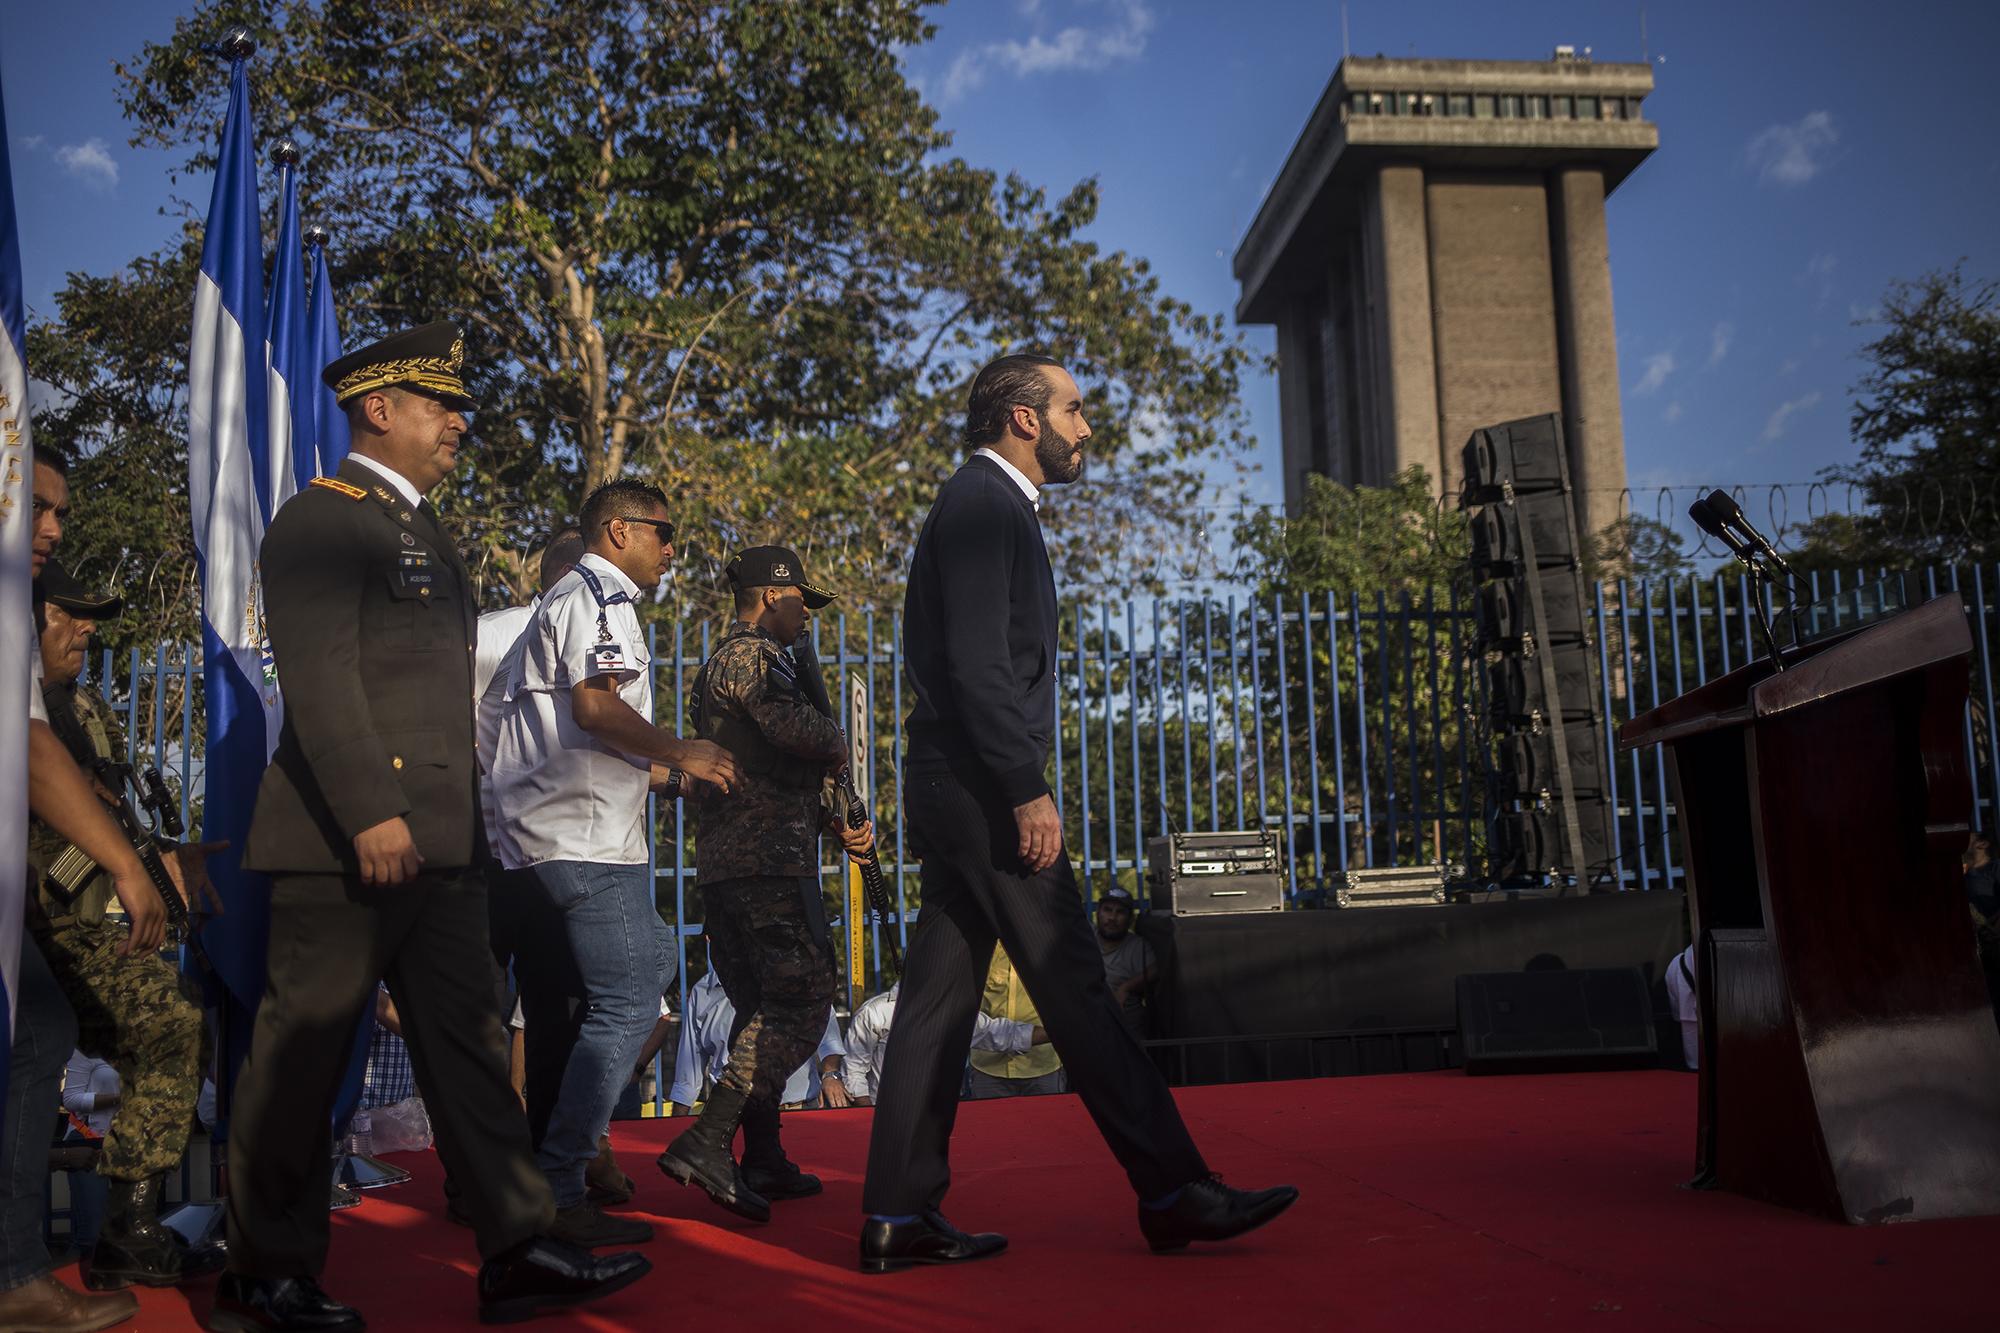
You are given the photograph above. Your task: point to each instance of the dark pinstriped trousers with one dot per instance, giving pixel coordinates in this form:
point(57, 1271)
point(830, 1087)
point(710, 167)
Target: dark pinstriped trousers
point(974, 893)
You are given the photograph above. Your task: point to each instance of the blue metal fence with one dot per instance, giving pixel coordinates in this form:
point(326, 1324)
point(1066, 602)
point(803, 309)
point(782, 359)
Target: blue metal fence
point(1353, 726)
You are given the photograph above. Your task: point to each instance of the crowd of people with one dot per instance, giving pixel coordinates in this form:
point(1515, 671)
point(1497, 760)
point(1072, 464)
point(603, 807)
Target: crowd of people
point(452, 828)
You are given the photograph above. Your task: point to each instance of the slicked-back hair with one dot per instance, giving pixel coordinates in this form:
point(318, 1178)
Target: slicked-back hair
point(1001, 386)
point(626, 497)
point(53, 458)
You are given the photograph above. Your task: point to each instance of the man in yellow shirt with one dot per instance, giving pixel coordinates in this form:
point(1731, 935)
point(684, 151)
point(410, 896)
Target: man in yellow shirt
point(997, 1073)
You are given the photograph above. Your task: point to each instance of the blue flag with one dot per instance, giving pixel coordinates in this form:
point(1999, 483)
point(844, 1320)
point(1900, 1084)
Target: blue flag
point(229, 491)
point(329, 422)
point(293, 377)
point(17, 522)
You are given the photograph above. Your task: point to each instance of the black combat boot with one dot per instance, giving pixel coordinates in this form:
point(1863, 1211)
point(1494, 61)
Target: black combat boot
point(766, 1169)
point(133, 1245)
point(702, 1156)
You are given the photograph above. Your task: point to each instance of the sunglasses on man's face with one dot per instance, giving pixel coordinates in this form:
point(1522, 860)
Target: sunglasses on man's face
point(659, 525)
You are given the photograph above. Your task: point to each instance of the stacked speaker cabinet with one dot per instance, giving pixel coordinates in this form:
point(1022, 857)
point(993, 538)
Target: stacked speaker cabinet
point(1544, 694)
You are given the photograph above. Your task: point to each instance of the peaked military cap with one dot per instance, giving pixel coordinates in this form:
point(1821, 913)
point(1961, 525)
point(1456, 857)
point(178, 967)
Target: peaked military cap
point(429, 360)
point(775, 567)
point(57, 586)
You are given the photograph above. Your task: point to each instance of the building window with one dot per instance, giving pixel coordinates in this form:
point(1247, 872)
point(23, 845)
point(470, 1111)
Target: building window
point(1510, 106)
point(1538, 107)
point(1632, 109)
point(1482, 106)
point(1458, 104)
point(1564, 108)
point(1586, 108)
point(1406, 104)
point(1614, 108)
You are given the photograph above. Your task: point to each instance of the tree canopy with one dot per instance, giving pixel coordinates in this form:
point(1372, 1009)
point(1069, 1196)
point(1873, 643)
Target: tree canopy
point(719, 245)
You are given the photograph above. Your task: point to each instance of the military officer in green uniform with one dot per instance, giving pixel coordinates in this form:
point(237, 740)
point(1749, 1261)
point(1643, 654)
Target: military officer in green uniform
point(368, 824)
point(757, 867)
point(131, 1009)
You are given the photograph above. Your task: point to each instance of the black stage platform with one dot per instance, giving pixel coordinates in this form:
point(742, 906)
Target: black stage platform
point(1376, 970)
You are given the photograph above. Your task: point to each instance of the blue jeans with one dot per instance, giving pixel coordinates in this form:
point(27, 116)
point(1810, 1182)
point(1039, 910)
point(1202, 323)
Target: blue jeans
point(44, 1037)
point(625, 959)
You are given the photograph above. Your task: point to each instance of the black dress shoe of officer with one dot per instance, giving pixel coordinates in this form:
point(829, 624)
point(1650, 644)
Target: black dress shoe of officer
point(591, 1227)
point(888, 1246)
point(1210, 1210)
point(542, 1274)
point(256, 1304)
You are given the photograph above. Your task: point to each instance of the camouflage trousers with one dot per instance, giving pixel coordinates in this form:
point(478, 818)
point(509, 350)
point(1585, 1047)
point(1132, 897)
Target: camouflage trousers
point(767, 941)
point(133, 1014)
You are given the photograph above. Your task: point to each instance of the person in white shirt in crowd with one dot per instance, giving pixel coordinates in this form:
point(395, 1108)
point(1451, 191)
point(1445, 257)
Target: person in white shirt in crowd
point(703, 1053)
point(1681, 998)
point(91, 1092)
point(868, 1042)
point(574, 755)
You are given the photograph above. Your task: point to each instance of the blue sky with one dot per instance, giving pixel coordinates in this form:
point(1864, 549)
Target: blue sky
point(1810, 153)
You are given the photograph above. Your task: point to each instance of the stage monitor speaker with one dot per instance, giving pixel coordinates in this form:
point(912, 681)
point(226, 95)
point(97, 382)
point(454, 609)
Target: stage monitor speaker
point(1531, 841)
point(1528, 762)
point(1497, 548)
point(1507, 618)
point(1556, 1021)
point(1516, 695)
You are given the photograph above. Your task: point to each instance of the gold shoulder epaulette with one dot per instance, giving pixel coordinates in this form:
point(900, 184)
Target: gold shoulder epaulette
point(346, 488)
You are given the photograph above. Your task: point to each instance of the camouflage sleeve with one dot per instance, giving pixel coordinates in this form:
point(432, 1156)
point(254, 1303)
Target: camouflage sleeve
point(92, 708)
point(762, 684)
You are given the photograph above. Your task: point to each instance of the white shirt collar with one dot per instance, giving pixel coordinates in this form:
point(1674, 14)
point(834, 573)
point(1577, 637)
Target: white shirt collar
point(1020, 478)
point(604, 569)
point(393, 477)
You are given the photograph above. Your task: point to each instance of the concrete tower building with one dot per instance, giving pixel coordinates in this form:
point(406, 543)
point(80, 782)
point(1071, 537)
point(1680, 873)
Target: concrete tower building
point(1434, 257)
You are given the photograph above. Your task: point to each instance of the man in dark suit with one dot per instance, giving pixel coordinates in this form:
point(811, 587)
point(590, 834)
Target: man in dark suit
point(979, 638)
point(368, 824)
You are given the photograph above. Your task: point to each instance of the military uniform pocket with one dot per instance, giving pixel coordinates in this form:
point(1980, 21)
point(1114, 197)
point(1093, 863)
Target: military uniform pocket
point(418, 613)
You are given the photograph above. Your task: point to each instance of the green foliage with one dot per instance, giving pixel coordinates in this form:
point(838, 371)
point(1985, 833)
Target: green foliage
point(1927, 417)
point(721, 246)
point(1637, 547)
point(1358, 539)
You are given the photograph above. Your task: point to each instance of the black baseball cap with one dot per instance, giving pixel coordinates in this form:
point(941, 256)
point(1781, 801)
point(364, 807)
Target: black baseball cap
point(58, 587)
point(1119, 895)
point(775, 567)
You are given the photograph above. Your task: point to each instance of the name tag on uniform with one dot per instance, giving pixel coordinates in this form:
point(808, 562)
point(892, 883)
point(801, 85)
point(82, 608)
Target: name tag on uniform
point(414, 572)
point(608, 657)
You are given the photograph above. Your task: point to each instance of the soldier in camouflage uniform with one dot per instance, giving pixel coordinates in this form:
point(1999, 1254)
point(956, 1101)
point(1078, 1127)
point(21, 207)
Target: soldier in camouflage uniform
point(131, 1010)
point(757, 867)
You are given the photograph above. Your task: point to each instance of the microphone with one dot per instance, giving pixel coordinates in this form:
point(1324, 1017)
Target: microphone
point(1703, 513)
point(1727, 511)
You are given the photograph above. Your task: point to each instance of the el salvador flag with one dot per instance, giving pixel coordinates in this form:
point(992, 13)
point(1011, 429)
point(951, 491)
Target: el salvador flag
point(230, 485)
point(17, 521)
point(293, 376)
point(329, 422)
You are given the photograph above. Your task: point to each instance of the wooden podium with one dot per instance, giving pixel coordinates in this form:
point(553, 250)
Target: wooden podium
point(1850, 1060)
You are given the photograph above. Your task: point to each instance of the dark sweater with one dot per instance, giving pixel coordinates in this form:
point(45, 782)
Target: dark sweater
point(979, 636)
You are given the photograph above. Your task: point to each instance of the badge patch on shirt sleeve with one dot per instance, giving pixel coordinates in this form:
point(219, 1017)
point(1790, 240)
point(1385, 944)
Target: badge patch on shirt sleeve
point(608, 657)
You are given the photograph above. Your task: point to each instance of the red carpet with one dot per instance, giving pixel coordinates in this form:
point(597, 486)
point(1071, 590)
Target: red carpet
point(1430, 1201)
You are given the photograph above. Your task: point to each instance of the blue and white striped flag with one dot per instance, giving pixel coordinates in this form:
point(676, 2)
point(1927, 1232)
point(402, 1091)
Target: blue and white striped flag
point(17, 522)
point(229, 491)
point(329, 422)
point(294, 376)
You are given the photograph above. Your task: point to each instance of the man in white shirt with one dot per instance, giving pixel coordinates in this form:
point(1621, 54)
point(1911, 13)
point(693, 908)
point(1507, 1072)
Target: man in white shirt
point(1682, 998)
point(868, 1042)
point(704, 1051)
point(574, 755)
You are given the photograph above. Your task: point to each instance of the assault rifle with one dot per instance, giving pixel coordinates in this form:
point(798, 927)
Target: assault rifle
point(73, 869)
point(813, 685)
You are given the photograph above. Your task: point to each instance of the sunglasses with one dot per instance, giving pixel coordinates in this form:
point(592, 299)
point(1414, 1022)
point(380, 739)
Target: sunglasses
point(659, 525)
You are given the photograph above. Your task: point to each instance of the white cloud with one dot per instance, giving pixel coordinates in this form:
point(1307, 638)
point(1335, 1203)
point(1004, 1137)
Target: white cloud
point(1719, 339)
point(1793, 154)
point(34, 142)
point(1074, 48)
point(1864, 314)
point(1673, 412)
point(1775, 427)
point(1819, 274)
point(90, 162)
point(1658, 367)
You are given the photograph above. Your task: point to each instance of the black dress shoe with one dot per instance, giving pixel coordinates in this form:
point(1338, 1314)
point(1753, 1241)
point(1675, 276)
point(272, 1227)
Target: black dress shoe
point(1210, 1210)
point(255, 1304)
point(888, 1246)
point(694, 1162)
point(783, 1181)
point(542, 1274)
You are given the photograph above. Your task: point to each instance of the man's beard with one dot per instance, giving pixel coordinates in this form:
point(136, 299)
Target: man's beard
point(1053, 452)
point(1111, 936)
